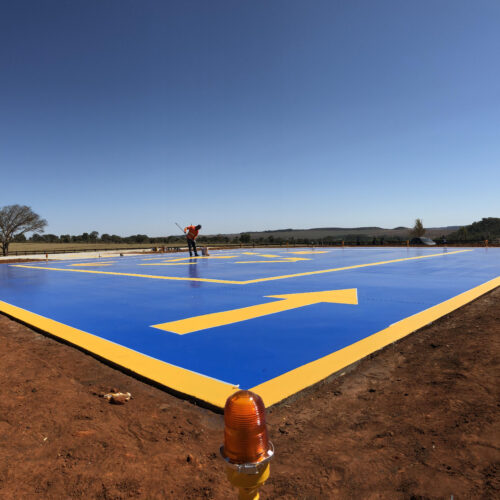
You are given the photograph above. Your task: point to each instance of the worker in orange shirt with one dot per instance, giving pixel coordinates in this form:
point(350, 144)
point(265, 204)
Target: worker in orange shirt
point(191, 234)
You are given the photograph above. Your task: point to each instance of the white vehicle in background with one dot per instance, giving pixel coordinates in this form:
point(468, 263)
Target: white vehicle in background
point(421, 240)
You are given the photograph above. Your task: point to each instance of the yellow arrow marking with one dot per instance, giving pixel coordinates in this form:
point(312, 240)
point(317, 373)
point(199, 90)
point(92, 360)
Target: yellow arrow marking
point(289, 301)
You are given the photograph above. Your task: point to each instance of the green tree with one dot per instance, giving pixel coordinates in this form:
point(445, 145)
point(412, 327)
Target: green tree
point(15, 220)
point(245, 237)
point(418, 229)
point(462, 233)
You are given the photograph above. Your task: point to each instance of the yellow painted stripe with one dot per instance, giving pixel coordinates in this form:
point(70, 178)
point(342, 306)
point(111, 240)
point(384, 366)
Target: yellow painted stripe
point(182, 259)
point(289, 383)
point(248, 282)
point(201, 387)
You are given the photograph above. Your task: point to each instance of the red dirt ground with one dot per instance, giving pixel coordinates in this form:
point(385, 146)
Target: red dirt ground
point(418, 420)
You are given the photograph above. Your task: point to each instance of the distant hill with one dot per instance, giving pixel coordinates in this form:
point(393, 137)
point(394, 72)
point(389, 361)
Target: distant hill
point(348, 234)
point(485, 229)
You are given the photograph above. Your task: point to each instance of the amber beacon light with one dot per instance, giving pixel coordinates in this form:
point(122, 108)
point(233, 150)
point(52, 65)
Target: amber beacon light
point(247, 449)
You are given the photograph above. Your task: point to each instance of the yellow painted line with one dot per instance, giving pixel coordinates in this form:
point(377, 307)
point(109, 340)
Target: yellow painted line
point(287, 302)
point(151, 276)
point(268, 255)
point(289, 383)
point(322, 271)
point(182, 259)
point(248, 282)
point(199, 386)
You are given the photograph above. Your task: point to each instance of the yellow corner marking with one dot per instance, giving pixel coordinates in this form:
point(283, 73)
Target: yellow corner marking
point(247, 282)
point(204, 388)
point(289, 383)
point(289, 301)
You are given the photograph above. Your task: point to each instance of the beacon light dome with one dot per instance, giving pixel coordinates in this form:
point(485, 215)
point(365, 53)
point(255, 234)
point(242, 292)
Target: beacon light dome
point(246, 442)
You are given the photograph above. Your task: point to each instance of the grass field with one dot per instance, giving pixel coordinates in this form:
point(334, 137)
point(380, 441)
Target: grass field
point(77, 247)
point(41, 247)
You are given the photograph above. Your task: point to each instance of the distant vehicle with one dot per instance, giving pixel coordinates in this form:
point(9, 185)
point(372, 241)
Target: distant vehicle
point(422, 241)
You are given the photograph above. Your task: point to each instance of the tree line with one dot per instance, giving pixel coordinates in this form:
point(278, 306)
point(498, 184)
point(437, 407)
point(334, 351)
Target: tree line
point(17, 220)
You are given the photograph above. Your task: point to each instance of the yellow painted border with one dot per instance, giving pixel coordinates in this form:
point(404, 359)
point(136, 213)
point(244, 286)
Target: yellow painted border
point(216, 392)
point(283, 386)
point(247, 282)
point(201, 387)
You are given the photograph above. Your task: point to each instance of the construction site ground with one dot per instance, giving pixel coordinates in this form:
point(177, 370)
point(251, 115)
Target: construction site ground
point(417, 420)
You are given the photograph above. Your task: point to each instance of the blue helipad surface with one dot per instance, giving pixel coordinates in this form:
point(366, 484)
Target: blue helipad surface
point(246, 318)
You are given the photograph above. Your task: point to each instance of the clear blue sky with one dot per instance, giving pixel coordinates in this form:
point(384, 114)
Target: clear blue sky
point(126, 116)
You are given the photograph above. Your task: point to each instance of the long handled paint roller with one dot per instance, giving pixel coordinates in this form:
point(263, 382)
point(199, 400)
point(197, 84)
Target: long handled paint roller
point(180, 228)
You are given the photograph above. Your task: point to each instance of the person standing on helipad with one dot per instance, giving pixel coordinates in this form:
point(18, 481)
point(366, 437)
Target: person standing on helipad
point(191, 234)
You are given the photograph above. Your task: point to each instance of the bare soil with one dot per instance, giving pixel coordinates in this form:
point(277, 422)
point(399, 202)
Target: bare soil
point(418, 420)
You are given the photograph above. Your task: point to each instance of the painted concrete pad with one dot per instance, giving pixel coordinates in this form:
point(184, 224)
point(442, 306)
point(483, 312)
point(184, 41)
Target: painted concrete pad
point(272, 320)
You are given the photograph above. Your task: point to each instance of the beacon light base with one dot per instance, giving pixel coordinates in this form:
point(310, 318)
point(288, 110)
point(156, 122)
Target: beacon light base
point(249, 467)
